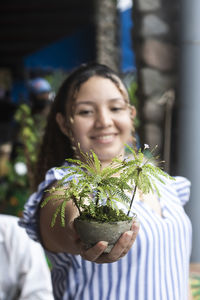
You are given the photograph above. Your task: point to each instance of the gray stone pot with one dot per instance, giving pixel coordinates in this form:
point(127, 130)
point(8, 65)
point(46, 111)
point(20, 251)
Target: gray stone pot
point(92, 232)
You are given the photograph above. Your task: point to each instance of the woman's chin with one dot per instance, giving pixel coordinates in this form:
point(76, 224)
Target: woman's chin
point(106, 158)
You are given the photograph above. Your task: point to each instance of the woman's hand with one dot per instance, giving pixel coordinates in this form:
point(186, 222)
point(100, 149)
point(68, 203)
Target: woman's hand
point(121, 248)
point(66, 239)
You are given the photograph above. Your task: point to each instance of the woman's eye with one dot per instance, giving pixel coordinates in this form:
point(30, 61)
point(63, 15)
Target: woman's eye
point(85, 112)
point(117, 108)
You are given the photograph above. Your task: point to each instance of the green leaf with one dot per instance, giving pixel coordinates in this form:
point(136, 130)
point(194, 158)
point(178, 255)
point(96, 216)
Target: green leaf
point(53, 221)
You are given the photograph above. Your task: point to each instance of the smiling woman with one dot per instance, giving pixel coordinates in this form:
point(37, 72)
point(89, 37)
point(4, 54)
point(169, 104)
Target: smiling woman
point(102, 119)
point(91, 113)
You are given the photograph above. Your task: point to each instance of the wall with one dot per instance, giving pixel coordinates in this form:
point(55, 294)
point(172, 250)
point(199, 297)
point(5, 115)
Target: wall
point(156, 49)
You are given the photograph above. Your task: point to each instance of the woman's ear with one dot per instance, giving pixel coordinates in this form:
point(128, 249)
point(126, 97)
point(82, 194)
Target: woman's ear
point(62, 124)
point(133, 111)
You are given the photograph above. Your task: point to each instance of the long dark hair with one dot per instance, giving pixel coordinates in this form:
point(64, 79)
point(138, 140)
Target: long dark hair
point(55, 145)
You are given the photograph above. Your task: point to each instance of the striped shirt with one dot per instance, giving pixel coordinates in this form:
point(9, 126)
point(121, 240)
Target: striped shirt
point(155, 268)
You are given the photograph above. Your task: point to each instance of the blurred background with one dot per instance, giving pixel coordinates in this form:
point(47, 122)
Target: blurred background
point(154, 45)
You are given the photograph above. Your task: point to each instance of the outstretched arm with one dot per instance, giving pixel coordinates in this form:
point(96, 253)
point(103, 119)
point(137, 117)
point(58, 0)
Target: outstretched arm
point(66, 239)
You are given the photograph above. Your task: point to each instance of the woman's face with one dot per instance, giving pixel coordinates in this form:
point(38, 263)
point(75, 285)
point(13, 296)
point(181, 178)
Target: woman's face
point(102, 119)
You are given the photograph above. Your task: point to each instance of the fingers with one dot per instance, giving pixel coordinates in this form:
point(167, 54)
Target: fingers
point(121, 248)
point(135, 229)
point(124, 243)
point(93, 253)
point(135, 226)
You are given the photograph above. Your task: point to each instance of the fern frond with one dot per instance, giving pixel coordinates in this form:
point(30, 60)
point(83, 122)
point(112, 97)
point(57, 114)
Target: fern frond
point(145, 183)
point(153, 172)
point(156, 189)
point(62, 212)
point(97, 163)
point(48, 198)
point(132, 151)
point(57, 211)
point(122, 197)
point(78, 165)
point(45, 201)
point(110, 171)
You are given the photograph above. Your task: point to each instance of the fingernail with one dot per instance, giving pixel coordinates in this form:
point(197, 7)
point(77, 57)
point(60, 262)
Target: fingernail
point(128, 235)
point(104, 244)
point(136, 223)
point(135, 227)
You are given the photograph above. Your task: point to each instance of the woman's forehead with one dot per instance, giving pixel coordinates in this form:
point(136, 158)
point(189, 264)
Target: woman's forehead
point(102, 85)
point(92, 102)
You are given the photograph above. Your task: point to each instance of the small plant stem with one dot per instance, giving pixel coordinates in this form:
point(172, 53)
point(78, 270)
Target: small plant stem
point(76, 204)
point(135, 188)
point(97, 199)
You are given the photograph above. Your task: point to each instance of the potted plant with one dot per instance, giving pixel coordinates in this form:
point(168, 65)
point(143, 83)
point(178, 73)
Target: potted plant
point(97, 193)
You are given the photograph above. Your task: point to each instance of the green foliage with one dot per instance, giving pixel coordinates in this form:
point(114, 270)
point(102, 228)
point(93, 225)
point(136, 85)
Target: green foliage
point(132, 87)
point(96, 191)
point(93, 186)
point(30, 133)
point(56, 78)
point(141, 172)
point(195, 286)
point(14, 189)
point(16, 185)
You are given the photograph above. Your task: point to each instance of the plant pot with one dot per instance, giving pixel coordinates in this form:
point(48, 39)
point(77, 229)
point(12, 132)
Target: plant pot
point(92, 232)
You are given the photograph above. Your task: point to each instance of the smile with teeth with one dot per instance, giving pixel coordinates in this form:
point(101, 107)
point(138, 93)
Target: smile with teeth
point(104, 138)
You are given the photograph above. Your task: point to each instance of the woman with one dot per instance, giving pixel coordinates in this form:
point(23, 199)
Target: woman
point(92, 108)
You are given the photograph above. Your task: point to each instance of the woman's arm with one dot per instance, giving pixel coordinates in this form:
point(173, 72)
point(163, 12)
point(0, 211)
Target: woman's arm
point(58, 238)
point(65, 239)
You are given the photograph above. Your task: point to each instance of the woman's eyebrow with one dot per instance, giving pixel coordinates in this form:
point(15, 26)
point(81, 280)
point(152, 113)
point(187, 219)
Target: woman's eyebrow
point(91, 102)
point(116, 99)
point(84, 102)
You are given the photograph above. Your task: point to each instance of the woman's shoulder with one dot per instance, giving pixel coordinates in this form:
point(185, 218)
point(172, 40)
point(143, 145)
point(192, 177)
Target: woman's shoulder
point(179, 187)
point(181, 182)
point(30, 215)
point(58, 172)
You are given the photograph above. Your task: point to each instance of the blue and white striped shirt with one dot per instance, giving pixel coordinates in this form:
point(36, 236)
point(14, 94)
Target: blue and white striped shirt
point(156, 267)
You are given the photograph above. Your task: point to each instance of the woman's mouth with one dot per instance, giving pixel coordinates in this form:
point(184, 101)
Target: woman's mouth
point(104, 138)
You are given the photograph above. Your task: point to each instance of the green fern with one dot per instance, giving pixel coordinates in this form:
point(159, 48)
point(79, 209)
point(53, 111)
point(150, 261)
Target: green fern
point(103, 187)
point(143, 173)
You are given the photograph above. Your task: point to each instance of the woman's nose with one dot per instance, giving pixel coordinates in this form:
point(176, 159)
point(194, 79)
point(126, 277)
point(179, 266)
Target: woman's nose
point(103, 119)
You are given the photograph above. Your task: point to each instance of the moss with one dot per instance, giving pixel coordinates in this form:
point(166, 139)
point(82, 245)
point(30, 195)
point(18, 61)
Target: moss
point(103, 214)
